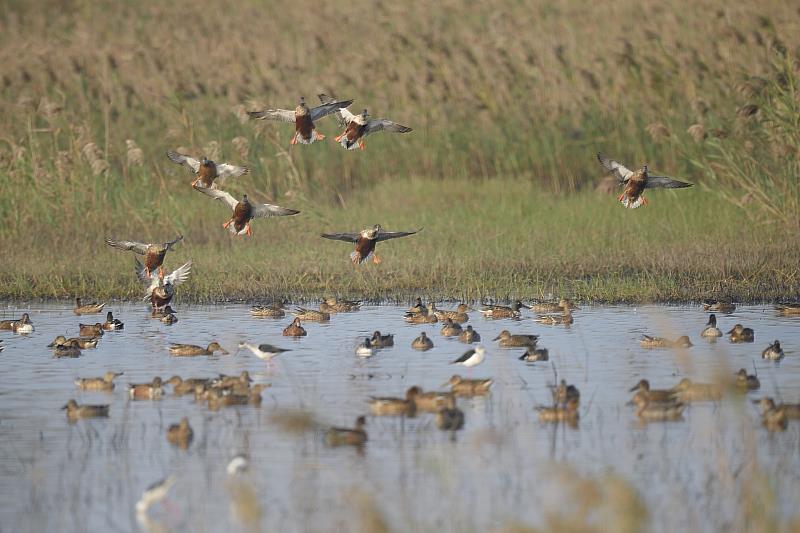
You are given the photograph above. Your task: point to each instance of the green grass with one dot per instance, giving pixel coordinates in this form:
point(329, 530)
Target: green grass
point(498, 238)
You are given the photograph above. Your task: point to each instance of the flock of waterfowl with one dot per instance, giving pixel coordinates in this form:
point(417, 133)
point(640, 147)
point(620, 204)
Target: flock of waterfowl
point(223, 391)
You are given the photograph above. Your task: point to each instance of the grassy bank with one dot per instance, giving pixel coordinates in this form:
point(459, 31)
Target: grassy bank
point(497, 238)
point(499, 167)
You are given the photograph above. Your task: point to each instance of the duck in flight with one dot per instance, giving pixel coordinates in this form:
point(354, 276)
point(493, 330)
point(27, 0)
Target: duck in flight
point(365, 241)
point(359, 126)
point(305, 132)
point(636, 182)
point(244, 211)
point(207, 171)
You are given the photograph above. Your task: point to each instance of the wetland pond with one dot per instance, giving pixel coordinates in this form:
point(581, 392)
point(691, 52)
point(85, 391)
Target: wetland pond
point(504, 468)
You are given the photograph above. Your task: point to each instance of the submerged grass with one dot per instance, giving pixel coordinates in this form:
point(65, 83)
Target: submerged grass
point(497, 238)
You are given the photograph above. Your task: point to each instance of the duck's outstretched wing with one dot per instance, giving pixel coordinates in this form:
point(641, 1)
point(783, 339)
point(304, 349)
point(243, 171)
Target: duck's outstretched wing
point(386, 235)
point(328, 107)
point(382, 124)
point(654, 182)
point(180, 274)
point(176, 240)
point(346, 115)
point(346, 237)
point(270, 210)
point(219, 194)
point(225, 170)
point(619, 170)
point(325, 99)
point(138, 247)
point(281, 115)
point(189, 162)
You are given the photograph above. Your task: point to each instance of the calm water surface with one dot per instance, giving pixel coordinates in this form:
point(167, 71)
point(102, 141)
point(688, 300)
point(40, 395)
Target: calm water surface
point(505, 467)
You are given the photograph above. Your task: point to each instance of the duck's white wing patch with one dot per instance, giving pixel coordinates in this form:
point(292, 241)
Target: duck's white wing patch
point(224, 170)
point(617, 169)
point(180, 274)
point(218, 194)
point(189, 162)
point(281, 115)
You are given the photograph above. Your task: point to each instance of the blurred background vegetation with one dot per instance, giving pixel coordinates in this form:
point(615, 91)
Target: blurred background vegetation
point(509, 102)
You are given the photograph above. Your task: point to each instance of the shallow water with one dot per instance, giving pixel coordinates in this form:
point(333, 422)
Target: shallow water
point(504, 468)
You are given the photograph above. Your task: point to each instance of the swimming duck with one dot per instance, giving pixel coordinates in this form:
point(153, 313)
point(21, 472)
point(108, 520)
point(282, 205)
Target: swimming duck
point(433, 401)
point(169, 319)
point(365, 241)
point(459, 316)
point(105, 383)
point(653, 395)
point(554, 307)
point(253, 398)
point(263, 351)
point(792, 410)
point(146, 391)
point(153, 253)
point(184, 386)
point(207, 171)
point(311, 315)
point(160, 291)
point(689, 391)
point(395, 406)
point(223, 381)
point(507, 340)
point(359, 126)
point(420, 318)
point(355, 436)
point(382, 341)
point(422, 343)
point(651, 412)
point(773, 352)
point(450, 328)
point(333, 305)
point(740, 333)
point(556, 413)
point(87, 309)
point(532, 355)
point(660, 342)
point(75, 411)
point(112, 323)
point(565, 318)
point(10, 324)
point(502, 311)
point(91, 330)
point(719, 306)
point(711, 329)
point(244, 211)
point(775, 419)
point(469, 336)
point(747, 381)
point(191, 349)
point(180, 434)
point(274, 310)
point(449, 417)
point(305, 132)
point(294, 329)
point(162, 312)
point(469, 387)
point(788, 308)
point(471, 358)
point(636, 182)
point(563, 393)
point(67, 350)
point(74, 341)
point(365, 349)
point(418, 307)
